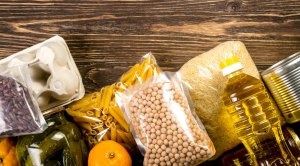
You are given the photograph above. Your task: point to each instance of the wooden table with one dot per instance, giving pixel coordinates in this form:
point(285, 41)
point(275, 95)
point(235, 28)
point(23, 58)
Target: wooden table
point(106, 37)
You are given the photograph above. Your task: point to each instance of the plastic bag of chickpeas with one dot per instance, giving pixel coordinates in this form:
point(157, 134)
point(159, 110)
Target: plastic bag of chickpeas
point(164, 123)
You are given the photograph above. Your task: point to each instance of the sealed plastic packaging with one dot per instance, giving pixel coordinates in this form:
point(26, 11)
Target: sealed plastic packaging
point(206, 84)
point(164, 124)
point(99, 116)
point(61, 144)
point(19, 113)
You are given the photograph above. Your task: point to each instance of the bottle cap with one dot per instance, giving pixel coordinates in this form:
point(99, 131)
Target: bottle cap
point(230, 65)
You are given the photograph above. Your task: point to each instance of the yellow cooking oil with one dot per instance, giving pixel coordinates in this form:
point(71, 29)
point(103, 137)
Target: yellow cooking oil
point(254, 115)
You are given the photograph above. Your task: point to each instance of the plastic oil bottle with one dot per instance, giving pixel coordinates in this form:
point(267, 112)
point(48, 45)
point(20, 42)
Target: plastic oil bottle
point(254, 115)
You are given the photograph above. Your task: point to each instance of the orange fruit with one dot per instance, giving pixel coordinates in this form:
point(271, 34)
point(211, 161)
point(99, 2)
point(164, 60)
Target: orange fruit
point(7, 153)
point(109, 153)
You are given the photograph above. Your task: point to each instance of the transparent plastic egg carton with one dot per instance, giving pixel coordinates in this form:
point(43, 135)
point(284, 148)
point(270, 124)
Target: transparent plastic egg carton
point(56, 80)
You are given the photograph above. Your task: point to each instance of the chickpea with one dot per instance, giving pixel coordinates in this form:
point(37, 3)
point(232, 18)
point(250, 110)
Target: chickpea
point(156, 124)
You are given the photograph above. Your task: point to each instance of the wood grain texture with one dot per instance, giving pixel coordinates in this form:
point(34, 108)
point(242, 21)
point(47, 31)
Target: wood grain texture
point(106, 37)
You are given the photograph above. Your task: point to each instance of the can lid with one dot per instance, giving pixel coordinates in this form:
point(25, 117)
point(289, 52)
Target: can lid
point(285, 65)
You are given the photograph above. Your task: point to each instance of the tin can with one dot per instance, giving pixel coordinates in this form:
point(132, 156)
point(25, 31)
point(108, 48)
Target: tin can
point(283, 80)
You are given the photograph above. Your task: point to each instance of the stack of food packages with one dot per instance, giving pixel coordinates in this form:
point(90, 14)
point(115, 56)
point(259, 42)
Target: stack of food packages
point(98, 115)
point(145, 107)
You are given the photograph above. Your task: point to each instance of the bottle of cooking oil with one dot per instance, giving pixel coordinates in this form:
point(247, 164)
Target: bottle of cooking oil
point(239, 156)
point(254, 115)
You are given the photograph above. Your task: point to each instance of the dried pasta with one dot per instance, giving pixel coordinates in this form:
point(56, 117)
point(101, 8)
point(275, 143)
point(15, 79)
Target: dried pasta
point(119, 139)
point(83, 104)
point(75, 113)
point(124, 137)
point(91, 140)
point(103, 117)
point(90, 113)
point(118, 118)
point(130, 73)
point(85, 126)
point(97, 113)
point(113, 133)
point(93, 132)
point(109, 119)
point(86, 119)
point(108, 96)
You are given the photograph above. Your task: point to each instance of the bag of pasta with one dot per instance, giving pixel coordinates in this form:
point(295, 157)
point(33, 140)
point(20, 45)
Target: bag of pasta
point(98, 114)
point(164, 124)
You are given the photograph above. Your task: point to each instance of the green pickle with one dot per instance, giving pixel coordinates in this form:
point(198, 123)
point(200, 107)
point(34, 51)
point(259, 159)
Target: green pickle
point(60, 144)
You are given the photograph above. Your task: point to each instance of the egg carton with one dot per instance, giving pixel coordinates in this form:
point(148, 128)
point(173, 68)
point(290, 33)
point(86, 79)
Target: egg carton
point(55, 78)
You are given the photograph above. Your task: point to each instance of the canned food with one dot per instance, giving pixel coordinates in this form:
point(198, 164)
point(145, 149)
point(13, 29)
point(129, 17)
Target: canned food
point(283, 80)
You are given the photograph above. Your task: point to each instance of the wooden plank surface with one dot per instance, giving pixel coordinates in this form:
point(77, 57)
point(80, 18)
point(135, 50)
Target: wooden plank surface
point(105, 37)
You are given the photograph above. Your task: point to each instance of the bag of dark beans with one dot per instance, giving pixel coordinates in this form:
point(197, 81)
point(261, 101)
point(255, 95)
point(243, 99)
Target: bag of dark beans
point(19, 112)
point(164, 123)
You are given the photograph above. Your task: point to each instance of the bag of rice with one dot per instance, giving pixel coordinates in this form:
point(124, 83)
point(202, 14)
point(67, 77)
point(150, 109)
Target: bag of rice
point(206, 84)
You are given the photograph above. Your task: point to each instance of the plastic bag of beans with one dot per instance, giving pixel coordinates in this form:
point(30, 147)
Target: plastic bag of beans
point(19, 112)
point(164, 123)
